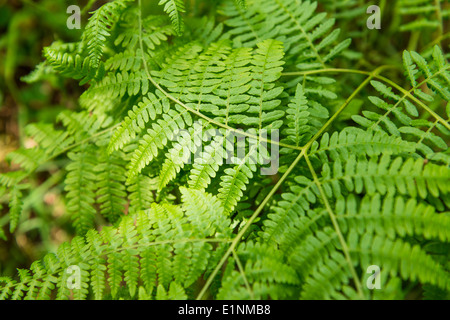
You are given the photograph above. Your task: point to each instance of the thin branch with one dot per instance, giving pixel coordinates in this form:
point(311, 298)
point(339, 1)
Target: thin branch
point(384, 79)
point(241, 270)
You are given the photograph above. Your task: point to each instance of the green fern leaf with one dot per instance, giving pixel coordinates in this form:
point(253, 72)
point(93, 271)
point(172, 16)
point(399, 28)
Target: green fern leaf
point(174, 8)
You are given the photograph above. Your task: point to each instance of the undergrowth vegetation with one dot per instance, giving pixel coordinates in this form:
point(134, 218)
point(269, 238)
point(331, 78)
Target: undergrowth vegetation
point(343, 165)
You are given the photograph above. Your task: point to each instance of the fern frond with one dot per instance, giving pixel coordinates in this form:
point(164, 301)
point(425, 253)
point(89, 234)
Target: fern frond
point(392, 216)
point(80, 187)
point(387, 176)
point(358, 142)
point(74, 65)
point(98, 29)
point(117, 85)
point(174, 69)
point(141, 193)
point(235, 179)
point(176, 292)
point(111, 193)
point(174, 8)
point(11, 178)
point(83, 125)
point(42, 71)
point(156, 31)
point(180, 154)
point(231, 96)
point(150, 107)
point(264, 275)
point(182, 212)
point(267, 62)
point(50, 140)
point(405, 121)
point(409, 261)
point(436, 74)
point(241, 3)
point(293, 22)
point(28, 159)
point(127, 61)
point(134, 252)
point(156, 138)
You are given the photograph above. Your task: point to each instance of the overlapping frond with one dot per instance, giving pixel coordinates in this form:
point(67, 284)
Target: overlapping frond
point(131, 255)
point(99, 28)
point(422, 14)
point(174, 8)
point(401, 117)
point(80, 187)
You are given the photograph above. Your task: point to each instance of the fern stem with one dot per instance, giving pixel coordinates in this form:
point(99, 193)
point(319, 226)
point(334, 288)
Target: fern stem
point(439, 17)
point(342, 241)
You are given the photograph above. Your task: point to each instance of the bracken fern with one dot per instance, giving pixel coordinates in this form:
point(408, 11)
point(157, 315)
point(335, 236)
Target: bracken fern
point(368, 189)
